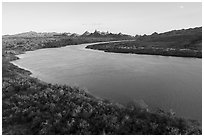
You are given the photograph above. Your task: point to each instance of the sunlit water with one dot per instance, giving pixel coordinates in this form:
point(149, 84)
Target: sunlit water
point(161, 82)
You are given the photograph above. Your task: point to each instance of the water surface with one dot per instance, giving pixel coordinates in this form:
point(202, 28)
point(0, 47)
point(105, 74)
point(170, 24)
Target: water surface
point(164, 82)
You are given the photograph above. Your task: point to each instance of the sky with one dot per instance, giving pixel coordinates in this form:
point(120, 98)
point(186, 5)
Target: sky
point(128, 18)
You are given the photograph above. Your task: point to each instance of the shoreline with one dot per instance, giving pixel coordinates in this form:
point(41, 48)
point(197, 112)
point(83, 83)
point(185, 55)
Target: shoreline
point(95, 43)
point(81, 88)
point(145, 54)
point(131, 52)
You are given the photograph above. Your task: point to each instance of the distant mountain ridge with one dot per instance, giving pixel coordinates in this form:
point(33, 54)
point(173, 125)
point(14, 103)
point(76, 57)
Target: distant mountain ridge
point(99, 34)
point(95, 34)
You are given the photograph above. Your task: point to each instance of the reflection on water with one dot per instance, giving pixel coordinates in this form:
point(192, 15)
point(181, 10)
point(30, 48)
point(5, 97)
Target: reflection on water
point(165, 82)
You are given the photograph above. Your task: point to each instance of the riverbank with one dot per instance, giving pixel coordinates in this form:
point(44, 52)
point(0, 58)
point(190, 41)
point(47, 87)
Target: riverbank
point(61, 109)
point(142, 50)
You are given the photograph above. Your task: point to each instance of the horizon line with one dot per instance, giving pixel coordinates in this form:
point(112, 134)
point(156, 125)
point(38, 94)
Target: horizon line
point(99, 31)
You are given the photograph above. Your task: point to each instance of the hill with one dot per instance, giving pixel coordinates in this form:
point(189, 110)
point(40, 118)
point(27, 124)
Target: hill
point(33, 34)
point(181, 43)
point(95, 34)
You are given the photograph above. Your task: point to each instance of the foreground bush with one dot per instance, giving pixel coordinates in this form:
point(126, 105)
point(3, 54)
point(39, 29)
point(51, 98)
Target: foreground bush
point(33, 107)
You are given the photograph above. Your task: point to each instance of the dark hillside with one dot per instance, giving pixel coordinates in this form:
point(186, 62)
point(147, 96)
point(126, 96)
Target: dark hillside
point(181, 43)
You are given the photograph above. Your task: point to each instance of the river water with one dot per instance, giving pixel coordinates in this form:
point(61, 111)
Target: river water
point(161, 82)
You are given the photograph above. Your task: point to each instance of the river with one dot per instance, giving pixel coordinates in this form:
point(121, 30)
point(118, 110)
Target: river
point(161, 82)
